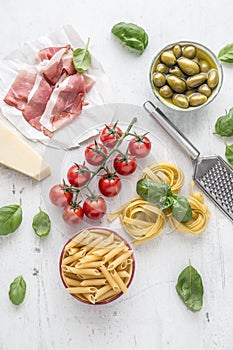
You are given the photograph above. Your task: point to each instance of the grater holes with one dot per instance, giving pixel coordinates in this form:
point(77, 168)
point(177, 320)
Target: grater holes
point(218, 181)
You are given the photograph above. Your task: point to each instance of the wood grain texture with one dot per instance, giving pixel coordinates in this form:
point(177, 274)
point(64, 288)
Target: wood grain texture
point(151, 316)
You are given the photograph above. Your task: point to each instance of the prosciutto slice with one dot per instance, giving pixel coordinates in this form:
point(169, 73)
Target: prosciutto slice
point(53, 69)
point(52, 93)
point(19, 91)
point(37, 103)
point(66, 101)
point(48, 52)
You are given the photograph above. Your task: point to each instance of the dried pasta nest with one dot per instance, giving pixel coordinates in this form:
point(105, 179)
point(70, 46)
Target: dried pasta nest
point(140, 219)
point(200, 216)
point(165, 172)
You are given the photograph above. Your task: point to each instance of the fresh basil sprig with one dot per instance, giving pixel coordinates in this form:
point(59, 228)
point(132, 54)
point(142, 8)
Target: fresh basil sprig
point(17, 290)
point(226, 54)
point(153, 192)
point(10, 218)
point(224, 124)
point(229, 152)
point(41, 223)
point(190, 288)
point(161, 195)
point(181, 209)
point(82, 58)
point(131, 35)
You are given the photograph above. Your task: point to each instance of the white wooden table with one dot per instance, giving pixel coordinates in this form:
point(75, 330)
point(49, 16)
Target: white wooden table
point(151, 316)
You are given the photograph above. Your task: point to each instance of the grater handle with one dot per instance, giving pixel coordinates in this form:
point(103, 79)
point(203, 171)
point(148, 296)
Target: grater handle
point(171, 129)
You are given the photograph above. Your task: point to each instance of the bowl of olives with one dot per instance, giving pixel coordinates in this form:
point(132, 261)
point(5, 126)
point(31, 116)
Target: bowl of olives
point(186, 76)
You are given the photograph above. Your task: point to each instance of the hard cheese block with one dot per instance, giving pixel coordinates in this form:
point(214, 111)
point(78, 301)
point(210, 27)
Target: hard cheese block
point(18, 155)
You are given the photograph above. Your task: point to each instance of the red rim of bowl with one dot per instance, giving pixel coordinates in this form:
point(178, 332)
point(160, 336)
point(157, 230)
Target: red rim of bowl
point(131, 277)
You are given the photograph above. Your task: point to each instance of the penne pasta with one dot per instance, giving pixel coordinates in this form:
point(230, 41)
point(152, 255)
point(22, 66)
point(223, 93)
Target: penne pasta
point(82, 290)
point(72, 251)
point(119, 260)
point(94, 272)
point(106, 296)
point(119, 281)
point(110, 279)
point(72, 282)
point(85, 265)
point(70, 258)
point(113, 253)
point(94, 282)
point(102, 291)
point(89, 297)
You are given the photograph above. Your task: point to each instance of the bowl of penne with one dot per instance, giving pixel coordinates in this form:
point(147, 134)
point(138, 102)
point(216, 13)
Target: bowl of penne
point(97, 266)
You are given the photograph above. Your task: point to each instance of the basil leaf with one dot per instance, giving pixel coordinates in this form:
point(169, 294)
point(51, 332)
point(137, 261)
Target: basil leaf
point(82, 58)
point(131, 35)
point(41, 224)
point(181, 209)
point(17, 290)
point(190, 288)
point(224, 124)
point(229, 153)
point(153, 192)
point(226, 54)
point(10, 218)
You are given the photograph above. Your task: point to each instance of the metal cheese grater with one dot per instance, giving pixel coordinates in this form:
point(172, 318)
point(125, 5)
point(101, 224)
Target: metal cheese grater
point(211, 173)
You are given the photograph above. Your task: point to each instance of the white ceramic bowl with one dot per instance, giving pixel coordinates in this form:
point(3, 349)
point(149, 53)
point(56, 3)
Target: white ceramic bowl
point(204, 52)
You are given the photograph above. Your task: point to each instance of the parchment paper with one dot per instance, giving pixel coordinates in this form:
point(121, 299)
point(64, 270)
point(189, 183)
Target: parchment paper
point(26, 56)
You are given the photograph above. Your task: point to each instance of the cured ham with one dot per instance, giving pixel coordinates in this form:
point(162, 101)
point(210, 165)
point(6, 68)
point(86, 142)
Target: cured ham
point(66, 101)
point(48, 52)
point(37, 103)
point(19, 91)
point(54, 68)
point(52, 93)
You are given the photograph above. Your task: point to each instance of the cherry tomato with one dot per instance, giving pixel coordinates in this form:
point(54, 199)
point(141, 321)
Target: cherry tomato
point(109, 185)
point(110, 135)
point(125, 165)
point(78, 175)
point(140, 146)
point(94, 208)
point(72, 216)
point(94, 153)
point(59, 197)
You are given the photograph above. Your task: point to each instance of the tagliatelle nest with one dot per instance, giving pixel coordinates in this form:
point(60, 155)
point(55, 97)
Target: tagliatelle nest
point(200, 216)
point(165, 172)
point(144, 221)
point(140, 219)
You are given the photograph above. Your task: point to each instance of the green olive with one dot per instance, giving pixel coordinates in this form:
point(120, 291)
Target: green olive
point(197, 99)
point(176, 71)
point(188, 66)
point(205, 90)
point(188, 93)
point(213, 78)
point(196, 80)
point(159, 79)
point(180, 100)
point(189, 51)
point(196, 59)
point(177, 51)
point(177, 84)
point(166, 91)
point(168, 58)
point(204, 66)
point(162, 68)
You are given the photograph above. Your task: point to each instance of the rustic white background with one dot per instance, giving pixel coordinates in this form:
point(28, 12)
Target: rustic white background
point(151, 316)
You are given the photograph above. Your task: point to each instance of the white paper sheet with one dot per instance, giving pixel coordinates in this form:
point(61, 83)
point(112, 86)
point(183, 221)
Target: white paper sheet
point(26, 56)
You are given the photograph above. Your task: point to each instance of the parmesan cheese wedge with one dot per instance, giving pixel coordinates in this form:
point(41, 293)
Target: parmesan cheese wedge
point(18, 155)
